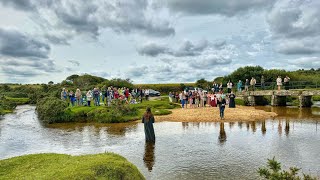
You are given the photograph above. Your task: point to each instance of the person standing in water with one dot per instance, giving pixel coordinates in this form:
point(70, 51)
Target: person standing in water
point(148, 120)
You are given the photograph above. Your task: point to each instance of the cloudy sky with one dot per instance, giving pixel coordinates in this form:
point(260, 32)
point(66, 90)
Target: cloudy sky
point(154, 41)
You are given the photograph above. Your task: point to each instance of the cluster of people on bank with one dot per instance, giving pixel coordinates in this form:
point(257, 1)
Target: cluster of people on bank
point(106, 94)
point(201, 98)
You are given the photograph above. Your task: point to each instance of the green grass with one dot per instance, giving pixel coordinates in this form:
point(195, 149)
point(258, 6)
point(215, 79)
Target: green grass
point(316, 98)
point(61, 166)
point(18, 101)
point(240, 102)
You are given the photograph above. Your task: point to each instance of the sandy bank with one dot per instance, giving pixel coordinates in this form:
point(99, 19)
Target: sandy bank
point(211, 114)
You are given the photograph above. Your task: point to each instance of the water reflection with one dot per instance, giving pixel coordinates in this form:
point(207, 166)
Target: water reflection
point(280, 127)
point(240, 124)
point(149, 157)
point(117, 129)
point(287, 128)
point(253, 126)
point(263, 127)
point(222, 134)
point(293, 113)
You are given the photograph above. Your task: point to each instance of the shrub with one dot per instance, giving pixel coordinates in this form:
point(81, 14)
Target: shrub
point(316, 98)
point(275, 172)
point(240, 102)
point(52, 110)
point(15, 94)
point(117, 112)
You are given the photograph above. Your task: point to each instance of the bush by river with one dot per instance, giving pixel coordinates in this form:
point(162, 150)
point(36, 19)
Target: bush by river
point(8, 104)
point(61, 166)
point(54, 110)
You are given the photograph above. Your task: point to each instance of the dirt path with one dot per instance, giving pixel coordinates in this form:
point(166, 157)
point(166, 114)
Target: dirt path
point(211, 114)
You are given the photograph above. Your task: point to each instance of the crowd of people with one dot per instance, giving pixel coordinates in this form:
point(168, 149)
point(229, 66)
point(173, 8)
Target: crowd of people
point(202, 98)
point(106, 95)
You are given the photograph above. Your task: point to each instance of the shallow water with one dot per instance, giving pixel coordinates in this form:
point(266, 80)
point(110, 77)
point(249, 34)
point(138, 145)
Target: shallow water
point(182, 150)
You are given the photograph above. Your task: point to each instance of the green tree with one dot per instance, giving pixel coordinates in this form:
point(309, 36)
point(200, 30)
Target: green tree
point(202, 83)
point(244, 73)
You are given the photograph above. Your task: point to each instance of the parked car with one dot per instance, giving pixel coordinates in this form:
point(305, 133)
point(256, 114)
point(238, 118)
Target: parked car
point(154, 93)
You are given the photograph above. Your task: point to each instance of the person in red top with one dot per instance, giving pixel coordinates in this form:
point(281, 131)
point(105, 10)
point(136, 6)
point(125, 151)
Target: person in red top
point(116, 94)
point(126, 93)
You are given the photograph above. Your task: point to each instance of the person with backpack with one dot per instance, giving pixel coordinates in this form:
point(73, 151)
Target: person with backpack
point(96, 96)
point(72, 98)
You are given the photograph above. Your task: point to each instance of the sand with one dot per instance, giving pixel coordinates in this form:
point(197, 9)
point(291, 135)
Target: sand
point(211, 114)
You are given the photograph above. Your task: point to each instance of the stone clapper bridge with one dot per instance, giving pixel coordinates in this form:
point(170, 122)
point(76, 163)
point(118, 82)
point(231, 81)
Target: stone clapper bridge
point(279, 98)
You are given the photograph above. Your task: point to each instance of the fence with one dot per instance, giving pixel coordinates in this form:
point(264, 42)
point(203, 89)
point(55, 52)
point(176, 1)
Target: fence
point(291, 85)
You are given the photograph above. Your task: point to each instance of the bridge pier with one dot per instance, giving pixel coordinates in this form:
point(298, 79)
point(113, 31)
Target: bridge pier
point(278, 100)
point(305, 101)
point(251, 100)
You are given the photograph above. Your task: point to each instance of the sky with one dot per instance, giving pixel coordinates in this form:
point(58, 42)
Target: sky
point(154, 41)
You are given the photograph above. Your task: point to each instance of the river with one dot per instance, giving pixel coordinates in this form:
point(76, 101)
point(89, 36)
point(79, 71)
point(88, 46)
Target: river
point(182, 150)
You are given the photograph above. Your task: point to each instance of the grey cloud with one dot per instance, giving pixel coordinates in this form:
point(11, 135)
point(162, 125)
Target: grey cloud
point(13, 71)
point(79, 17)
point(227, 8)
point(137, 71)
point(91, 17)
point(306, 62)
point(16, 44)
point(299, 46)
point(57, 40)
point(44, 65)
point(152, 49)
point(75, 63)
point(176, 72)
point(295, 26)
point(210, 61)
point(294, 19)
point(187, 48)
point(219, 44)
point(25, 5)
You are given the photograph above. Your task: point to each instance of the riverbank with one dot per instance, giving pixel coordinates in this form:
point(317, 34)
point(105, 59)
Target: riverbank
point(211, 114)
point(61, 166)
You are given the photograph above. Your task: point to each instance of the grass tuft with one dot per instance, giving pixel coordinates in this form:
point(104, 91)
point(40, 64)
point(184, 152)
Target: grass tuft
point(61, 166)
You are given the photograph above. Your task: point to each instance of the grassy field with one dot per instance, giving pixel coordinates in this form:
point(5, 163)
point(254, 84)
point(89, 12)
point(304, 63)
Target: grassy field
point(18, 101)
point(61, 166)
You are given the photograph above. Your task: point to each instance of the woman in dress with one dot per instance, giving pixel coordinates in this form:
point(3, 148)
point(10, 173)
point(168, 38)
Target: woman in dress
point(148, 120)
point(232, 103)
point(214, 101)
